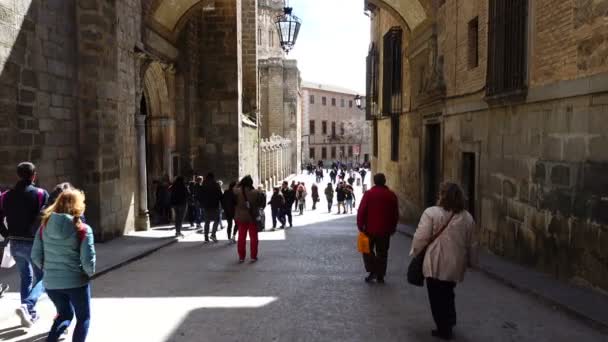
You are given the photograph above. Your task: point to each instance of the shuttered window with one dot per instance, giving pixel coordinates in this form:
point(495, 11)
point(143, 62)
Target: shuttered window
point(375, 142)
point(507, 40)
point(392, 84)
point(371, 83)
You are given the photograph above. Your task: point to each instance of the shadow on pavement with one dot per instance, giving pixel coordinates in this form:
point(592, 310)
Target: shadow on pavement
point(12, 332)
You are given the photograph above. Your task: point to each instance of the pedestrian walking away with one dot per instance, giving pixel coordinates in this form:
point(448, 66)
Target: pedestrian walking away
point(294, 187)
point(277, 203)
point(179, 202)
point(211, 196)
point(22, 207)
point(329, 195)
point(192, 212)
point(341, 197)
point(196, 192)
point(448, 255)
point(290, 196)
point(64, 250)
point(377, 217)
point(229, 205)
point(247, 206)
point(349, 198)
point(315, 196)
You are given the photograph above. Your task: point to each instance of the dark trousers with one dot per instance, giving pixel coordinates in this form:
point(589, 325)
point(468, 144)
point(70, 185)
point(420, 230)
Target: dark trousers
point(443, 308)
point(287, 215)
point(211, 214)
point(230, 221)
point(377, 260)
point(277, 214)
point(180, 213)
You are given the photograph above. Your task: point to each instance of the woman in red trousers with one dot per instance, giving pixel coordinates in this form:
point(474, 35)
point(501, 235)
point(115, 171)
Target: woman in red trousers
point(248, 203)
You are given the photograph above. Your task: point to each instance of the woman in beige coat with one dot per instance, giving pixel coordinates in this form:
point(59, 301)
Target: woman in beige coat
point(448, 256)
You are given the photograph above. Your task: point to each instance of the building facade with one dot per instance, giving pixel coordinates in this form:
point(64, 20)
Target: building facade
point(335, 129)
point(509, 99)
point(280, 93)
point(115, 95)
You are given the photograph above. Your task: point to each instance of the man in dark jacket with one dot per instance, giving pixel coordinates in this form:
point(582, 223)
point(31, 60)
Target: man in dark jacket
point(21, 206)
point(290, 197)
point(277, 203)
point(378, 217)
point(211, 196)
point(229, 206)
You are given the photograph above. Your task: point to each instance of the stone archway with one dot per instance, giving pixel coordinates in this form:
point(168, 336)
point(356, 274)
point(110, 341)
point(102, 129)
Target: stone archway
point(411, 12)
point(158, 110)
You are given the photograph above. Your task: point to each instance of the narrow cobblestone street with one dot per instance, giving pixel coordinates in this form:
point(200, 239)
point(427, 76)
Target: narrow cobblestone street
point(307, 286)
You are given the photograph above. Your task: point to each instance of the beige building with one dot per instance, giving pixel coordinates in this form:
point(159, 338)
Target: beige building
point(335, 129)
point(280, 98)
point(512, 103)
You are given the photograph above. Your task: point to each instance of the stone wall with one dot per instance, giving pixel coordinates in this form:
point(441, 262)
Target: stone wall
point(280, 102)
point(71, 83)
point(220, 61)
point(570, 40)
point(540, 179)
point(38, 100)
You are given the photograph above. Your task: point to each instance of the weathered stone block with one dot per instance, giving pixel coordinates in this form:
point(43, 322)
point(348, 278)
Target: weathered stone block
point(29, 78)
point(509, 189)
point(560, 175)
point(552, 148)
point(575, 149)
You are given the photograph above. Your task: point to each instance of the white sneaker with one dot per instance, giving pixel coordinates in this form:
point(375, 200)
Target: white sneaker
point(24, 315)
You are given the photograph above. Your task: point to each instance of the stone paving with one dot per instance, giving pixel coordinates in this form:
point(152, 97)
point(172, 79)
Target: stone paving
point(307, 286)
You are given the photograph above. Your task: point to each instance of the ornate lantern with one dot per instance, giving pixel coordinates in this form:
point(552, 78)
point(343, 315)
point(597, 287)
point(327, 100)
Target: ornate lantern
point(358, 101)
point(288, 26)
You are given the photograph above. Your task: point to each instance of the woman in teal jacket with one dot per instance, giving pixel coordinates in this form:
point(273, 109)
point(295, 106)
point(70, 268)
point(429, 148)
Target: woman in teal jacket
point(64, 250)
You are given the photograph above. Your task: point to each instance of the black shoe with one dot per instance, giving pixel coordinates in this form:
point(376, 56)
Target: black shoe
point(370, 278)
point(380, 280)
point(447, 335)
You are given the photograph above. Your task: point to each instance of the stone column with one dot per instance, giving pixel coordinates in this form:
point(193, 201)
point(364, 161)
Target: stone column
point(142, 221)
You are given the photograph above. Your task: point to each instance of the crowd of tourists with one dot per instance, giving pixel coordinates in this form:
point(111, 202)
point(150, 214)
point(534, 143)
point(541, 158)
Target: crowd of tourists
point(53, 246)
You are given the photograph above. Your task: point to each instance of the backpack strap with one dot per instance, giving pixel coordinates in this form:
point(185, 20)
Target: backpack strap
point(82, 233)
point(2, 199)
point(40, 198)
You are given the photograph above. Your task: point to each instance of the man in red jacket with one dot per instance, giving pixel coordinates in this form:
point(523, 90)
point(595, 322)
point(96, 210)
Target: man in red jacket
point(377, 217)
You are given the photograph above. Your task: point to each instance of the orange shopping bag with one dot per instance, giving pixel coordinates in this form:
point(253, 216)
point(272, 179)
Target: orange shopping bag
point(363, 243)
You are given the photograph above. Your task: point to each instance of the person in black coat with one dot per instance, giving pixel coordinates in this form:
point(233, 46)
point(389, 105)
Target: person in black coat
point(211, 196)
point(290, 197)
point(341, 196)
point(229, 205)
point(179, 201)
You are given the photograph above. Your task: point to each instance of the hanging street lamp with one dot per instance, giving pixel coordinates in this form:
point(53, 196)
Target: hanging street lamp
point(358, 99)
point(288, 26)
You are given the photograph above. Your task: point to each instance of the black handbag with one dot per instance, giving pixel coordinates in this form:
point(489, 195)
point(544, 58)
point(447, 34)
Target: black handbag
point(415, 276)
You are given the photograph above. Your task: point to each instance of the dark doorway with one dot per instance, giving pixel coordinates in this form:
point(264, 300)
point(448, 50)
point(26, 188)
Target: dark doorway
point(432, 164)
point(468, 180)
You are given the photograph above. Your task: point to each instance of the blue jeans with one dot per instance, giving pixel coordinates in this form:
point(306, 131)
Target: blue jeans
point(80, 300)
point(31, 276)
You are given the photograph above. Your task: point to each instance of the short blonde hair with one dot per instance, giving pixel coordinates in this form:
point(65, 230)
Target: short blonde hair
point(70, 201)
